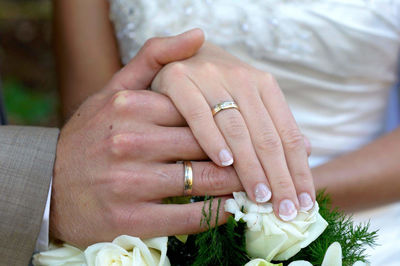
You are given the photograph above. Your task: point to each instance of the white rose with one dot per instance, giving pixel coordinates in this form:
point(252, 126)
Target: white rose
point(333, 257)
point(128, 250)
point(60, 255)
point(270, 238)
point(123, 251)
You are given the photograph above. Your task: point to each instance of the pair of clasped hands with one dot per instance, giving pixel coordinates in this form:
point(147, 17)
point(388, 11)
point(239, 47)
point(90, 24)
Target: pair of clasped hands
point(116, 156)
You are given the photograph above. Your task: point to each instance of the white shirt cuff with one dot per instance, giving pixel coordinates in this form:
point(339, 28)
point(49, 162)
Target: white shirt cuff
point(42, 243)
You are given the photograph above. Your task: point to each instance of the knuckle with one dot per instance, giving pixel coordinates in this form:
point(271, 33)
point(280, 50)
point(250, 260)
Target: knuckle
point(176, 69)
point(267, 78)
point(206, 176)
point(123, 144)
point(284, 184)
point(169, 75)
point(303, 177)
point(213, 177)
point(209, 68)
point(234, 126)
point(292, 139)
point(122, 99)
point(267, 142)
point(116, 182)
point(269, 83)
point(242, 73)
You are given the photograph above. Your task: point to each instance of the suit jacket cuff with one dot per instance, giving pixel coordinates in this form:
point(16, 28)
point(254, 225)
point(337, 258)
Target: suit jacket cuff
point(27, 157)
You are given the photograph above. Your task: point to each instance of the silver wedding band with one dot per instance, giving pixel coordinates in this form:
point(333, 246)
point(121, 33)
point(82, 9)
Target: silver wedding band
point(188, 178)
point(224, 105)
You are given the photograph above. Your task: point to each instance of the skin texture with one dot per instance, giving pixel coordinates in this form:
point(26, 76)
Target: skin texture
point(114, 165)
point(276, 138)
point(356, 180)
point(262, 135)
point(86, 54)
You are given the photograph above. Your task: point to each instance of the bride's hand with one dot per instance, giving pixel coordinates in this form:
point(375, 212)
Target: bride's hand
point(268, 148)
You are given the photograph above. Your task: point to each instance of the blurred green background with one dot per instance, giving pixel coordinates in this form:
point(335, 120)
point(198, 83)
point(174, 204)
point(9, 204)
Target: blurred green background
point(26, 63)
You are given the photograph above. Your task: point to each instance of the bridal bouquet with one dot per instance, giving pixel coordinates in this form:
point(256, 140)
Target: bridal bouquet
point(253, 236)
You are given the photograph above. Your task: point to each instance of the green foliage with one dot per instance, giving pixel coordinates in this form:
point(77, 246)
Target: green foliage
point(182, 254)
point(24, 106)
point(353, 238)
point(177, 200)
point(222, 245)
point(226, 244)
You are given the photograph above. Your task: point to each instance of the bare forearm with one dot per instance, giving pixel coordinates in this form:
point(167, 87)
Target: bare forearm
point(364, 178)
point(86, 50)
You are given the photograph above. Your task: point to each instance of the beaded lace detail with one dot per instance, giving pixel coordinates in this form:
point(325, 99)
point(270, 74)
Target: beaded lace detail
point(263, 27)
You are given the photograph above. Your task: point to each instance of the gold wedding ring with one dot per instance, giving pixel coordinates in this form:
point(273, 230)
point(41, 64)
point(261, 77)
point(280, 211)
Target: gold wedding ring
point(188, 178)
point(224, 105)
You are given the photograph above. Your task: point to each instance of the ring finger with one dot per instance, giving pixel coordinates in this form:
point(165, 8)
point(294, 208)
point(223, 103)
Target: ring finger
point(207, 179)
point(233, 127)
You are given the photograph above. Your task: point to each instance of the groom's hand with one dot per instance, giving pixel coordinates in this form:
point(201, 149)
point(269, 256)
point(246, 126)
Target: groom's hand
point(116, 158)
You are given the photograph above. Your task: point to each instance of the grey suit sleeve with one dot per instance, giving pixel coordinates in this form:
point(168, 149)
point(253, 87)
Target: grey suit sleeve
point(27, 157)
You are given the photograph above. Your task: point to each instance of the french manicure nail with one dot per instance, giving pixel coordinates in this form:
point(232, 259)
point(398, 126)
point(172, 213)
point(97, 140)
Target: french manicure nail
point(287, 210)
point(306, 203)
point(226, 157)
point(262, 193)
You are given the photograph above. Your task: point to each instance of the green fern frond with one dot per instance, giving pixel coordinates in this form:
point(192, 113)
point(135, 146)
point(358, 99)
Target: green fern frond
point(222, 245)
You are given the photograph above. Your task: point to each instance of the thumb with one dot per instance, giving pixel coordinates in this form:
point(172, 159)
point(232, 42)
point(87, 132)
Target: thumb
point(156, 53)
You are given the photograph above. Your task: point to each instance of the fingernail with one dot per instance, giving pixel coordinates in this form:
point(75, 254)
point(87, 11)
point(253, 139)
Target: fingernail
point(287, 210)
point(306, 203)
point(226, 157)
point(262, 193)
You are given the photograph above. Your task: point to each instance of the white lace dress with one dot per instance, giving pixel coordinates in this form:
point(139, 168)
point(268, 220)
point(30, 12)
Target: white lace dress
point(335, 60)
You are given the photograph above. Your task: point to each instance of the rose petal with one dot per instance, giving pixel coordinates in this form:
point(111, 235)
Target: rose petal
point(254, 221)
point(333, 255)
point(269, 237)
point(65, 254)
point(159, 245)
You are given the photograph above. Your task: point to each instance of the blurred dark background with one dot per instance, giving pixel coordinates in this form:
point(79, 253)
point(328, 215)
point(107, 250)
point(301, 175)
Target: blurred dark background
point(26, 63)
